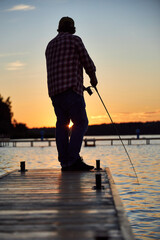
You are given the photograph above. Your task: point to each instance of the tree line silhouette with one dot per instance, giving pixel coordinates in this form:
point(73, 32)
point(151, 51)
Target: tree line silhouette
point(9, 127)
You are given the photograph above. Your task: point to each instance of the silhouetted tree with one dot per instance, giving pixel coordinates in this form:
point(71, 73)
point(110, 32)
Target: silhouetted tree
point(19, 130)
point(5, 116)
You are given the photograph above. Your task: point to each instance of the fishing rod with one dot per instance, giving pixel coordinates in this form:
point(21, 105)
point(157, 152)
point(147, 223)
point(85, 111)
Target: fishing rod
point(88, 89)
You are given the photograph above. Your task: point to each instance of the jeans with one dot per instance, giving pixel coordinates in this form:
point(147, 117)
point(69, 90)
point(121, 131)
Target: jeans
point(69, 106)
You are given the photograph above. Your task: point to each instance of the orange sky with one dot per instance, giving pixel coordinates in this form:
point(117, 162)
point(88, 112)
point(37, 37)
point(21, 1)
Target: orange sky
point(123, 41)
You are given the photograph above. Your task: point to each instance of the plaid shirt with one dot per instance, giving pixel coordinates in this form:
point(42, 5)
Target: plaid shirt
point(66, 57)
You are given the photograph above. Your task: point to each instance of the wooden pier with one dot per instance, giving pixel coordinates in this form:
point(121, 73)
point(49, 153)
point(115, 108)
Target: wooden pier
point(49, 204)
point(91, 142)
point(88, 142)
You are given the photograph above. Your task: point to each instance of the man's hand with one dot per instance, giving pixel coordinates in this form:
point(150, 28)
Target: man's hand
point(93, 79)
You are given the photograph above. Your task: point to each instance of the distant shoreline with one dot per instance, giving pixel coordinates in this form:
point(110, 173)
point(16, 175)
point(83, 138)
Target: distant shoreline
point(147, 128)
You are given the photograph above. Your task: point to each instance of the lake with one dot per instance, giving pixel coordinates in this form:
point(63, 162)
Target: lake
point(142, 202)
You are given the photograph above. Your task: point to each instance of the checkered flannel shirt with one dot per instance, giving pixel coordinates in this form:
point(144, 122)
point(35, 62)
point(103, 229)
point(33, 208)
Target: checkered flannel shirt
point(66, 57)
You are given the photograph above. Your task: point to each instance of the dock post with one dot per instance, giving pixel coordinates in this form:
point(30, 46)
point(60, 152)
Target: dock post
point(98, 181)
point(22, 166)
point(98, 165)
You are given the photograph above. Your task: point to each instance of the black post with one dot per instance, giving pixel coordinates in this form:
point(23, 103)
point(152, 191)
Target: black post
point(98, 181)
point(98, 165)
point(23, 167)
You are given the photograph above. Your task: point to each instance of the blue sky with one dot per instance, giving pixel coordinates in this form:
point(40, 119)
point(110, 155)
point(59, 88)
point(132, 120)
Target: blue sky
point(121, 36)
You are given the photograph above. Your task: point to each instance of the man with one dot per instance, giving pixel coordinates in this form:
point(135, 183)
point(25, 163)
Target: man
point(66, 57)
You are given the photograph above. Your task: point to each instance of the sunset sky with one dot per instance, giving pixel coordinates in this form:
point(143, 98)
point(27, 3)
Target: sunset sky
point(121, 36)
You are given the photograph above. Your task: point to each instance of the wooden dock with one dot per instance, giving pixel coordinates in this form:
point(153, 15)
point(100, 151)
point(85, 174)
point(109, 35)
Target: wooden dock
point(88, 142)
point(49, 204)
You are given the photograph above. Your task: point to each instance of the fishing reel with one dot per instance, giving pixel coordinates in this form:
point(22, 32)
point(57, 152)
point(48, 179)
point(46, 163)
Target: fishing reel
point(88, 90)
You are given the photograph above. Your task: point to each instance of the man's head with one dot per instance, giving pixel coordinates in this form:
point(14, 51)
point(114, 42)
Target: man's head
point(66, 24)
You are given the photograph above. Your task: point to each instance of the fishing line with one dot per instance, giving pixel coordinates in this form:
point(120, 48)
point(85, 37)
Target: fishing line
point(90, 92)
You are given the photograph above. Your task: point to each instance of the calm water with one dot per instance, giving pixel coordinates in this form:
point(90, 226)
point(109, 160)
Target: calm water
point(142, 202)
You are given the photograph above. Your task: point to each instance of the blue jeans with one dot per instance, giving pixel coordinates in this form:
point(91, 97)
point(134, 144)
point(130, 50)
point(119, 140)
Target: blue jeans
point(69, 106)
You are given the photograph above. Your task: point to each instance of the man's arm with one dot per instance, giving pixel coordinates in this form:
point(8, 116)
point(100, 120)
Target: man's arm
point(93, 79)
point(86, 61)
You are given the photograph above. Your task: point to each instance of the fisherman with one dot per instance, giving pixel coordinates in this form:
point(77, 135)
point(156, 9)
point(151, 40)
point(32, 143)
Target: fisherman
point(66, 56)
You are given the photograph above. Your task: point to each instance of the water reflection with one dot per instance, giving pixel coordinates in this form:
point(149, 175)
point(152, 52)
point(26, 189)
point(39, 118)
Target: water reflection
point(70, 206)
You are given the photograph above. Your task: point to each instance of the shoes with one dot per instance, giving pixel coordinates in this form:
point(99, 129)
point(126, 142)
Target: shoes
point(79, 165)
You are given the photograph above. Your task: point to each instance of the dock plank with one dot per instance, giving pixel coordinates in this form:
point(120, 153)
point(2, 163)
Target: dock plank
point(50, 204)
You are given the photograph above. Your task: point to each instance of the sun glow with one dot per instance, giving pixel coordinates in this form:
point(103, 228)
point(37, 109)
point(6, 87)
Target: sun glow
point(70, 124)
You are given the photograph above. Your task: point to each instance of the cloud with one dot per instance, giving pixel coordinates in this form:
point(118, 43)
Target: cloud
point(21, 7)
point(14, 66)
point(128, 117)
point(99, 117)
point(152, 113)
point(141, 114)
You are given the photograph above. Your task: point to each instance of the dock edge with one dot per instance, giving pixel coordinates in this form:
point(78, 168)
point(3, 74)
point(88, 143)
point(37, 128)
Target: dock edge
point(124, 223)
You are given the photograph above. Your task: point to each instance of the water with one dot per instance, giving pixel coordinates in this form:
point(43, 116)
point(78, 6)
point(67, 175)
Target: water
point(142, 202)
